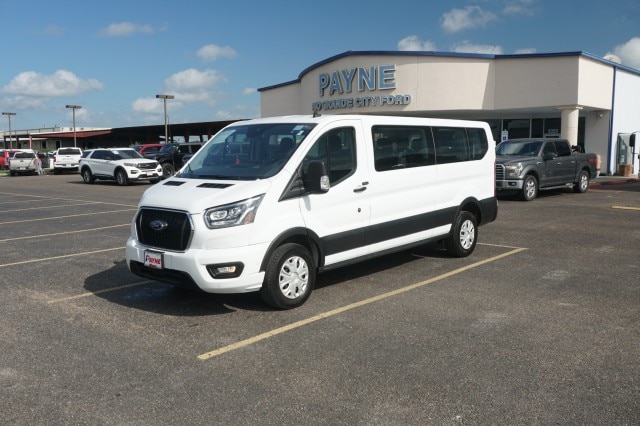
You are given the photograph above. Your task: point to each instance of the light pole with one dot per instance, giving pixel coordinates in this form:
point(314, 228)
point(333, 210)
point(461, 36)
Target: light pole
point(164, 99)
point(9, 114)
point(74, 108)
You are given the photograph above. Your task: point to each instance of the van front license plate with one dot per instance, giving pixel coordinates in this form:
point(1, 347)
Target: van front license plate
point(153, 259)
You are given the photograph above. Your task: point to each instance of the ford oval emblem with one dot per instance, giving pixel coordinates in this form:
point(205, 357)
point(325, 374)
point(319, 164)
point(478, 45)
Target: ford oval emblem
point(158, 225)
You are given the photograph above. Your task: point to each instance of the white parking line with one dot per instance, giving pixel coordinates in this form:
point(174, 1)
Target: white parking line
point(64, 217)
point(42, 197)
point(64, 233)
point(86, 203)
point(342, 309)
point(85, 253)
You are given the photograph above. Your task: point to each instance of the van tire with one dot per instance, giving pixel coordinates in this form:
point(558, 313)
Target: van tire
point(289, 277)
point(463, 237)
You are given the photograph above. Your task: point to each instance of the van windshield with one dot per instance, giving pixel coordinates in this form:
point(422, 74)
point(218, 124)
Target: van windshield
point(247, 152)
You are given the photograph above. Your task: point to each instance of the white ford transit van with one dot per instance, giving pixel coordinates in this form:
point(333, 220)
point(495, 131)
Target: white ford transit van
point(266, 204)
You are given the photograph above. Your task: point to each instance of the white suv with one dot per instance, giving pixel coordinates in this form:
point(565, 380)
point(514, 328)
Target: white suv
point(123, 165)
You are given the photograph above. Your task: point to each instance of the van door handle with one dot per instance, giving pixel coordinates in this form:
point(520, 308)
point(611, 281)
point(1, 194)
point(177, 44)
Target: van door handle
point(361, 188)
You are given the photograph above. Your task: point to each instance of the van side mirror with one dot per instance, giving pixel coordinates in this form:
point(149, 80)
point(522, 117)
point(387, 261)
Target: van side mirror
point(316, 179)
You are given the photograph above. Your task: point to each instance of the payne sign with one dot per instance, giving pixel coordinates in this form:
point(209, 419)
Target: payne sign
point(360, 80)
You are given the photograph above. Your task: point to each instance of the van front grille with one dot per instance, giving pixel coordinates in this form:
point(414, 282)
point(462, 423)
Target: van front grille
point(164, 229)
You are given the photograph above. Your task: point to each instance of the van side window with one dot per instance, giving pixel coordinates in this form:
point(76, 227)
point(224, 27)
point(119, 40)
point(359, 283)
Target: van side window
point(399, 147)
point(478, 144)
point(337, 149)
point(451, 144)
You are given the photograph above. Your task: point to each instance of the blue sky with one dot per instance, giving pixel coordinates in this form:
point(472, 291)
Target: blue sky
point(112, 57)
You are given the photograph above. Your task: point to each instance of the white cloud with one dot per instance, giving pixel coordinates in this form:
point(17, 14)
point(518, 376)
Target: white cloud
point(519, 7)
point(126, 28)
point(188, 86)
point(61, 83)
point(249, 91)
point(148, 106)
point(193, 80)
point(413, 43)
point(468, 47)
point(211, 52)
point(462, 19)
point(629, 52)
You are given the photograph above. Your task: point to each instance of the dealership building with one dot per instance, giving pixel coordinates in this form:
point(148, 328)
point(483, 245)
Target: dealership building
point(591, 101)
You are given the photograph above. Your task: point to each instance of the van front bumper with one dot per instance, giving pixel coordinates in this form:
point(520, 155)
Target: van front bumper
point(190, 268)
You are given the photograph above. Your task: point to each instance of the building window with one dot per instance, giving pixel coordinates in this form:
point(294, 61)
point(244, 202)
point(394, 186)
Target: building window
point(517, 128)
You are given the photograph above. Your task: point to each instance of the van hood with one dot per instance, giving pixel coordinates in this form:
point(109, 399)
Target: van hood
point(197, 195)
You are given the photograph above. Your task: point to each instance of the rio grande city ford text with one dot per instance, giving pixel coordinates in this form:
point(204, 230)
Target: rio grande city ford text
point(374, 78)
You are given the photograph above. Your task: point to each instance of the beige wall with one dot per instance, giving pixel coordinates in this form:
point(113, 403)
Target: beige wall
point(466, 84)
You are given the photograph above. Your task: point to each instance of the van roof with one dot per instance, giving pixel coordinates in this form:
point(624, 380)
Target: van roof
point(366, 117)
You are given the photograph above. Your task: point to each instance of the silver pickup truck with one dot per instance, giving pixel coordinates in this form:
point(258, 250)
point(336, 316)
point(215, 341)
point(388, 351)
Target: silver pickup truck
point(23, 162)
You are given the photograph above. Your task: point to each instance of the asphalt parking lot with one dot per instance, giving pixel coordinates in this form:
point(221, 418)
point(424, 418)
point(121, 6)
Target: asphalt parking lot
point(540, 325)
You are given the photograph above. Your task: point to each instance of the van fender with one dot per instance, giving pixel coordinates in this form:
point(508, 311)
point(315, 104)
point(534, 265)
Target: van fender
point(471, 205)
point(301, 236)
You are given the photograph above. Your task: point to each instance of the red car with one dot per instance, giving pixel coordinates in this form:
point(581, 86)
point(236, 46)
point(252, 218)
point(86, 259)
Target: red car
point(148, 149)
point(5, 154)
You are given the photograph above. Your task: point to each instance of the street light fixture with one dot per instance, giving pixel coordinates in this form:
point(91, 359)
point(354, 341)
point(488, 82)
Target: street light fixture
point(164, 99)
point(74, 108)
point(9, 114)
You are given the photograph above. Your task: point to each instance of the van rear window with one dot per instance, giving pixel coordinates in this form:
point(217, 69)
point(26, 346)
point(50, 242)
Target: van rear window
point(399, 147)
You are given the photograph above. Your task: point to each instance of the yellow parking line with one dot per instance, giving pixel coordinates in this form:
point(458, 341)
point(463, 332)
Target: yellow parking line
point(625, 208)
point(63, 233)
point(64, 217)
point(84, 253)
point(342, 309)
point(93, 293)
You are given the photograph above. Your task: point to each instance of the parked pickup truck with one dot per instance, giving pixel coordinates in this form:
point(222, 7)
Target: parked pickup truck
point(66, 159)
point(171, 156)
point(526, 166)
point(23, 162)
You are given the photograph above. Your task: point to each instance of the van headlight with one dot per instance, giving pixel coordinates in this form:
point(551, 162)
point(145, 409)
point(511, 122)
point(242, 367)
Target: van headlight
point(240, 213)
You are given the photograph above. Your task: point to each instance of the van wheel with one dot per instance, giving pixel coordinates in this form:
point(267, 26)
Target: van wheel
point(121, 177)
point(529, 188)
point(289, 278)
point(583, 182)
point(464, 234)
point(87, 176)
